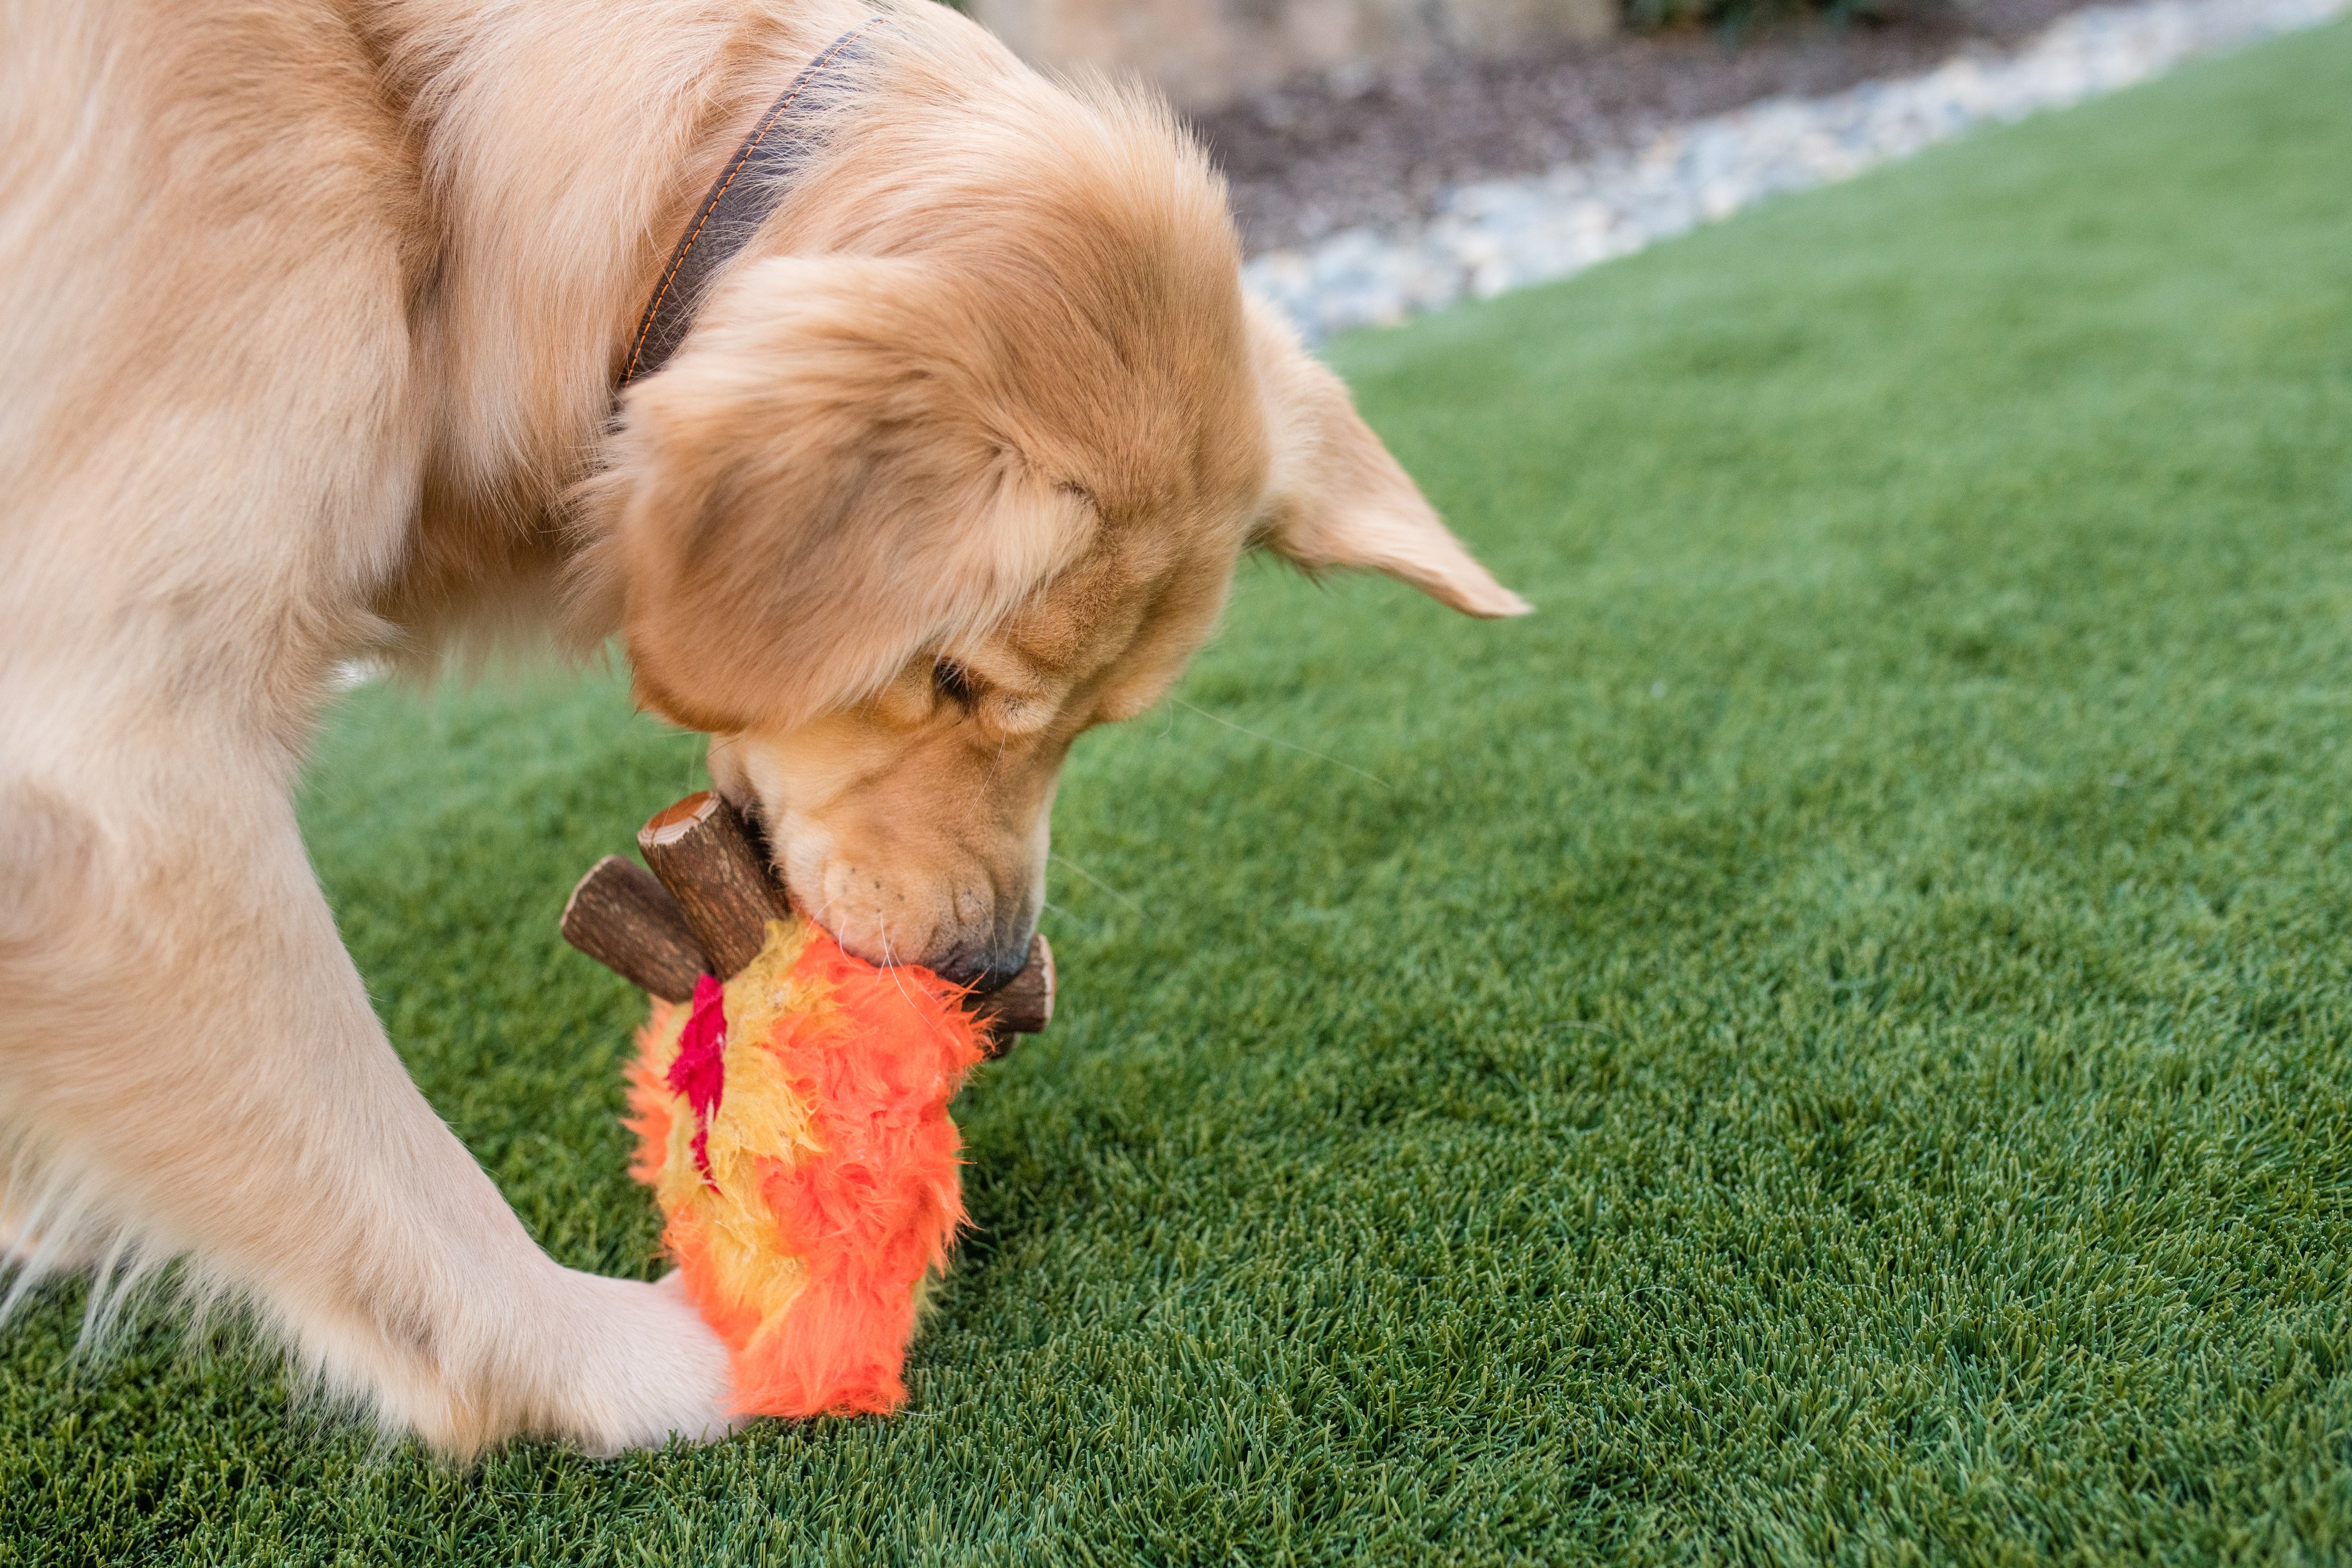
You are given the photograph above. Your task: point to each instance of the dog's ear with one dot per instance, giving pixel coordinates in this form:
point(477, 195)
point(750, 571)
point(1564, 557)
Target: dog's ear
point(810, 494)
point(1335, 498)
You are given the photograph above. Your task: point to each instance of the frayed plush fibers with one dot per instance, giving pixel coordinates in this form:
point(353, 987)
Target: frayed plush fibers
point(794, 1126)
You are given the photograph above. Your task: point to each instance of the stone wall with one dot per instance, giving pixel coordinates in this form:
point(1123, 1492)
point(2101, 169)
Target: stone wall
point(1206, 53)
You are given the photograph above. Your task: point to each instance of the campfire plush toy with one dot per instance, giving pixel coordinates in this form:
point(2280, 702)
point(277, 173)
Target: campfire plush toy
point(790, 1103)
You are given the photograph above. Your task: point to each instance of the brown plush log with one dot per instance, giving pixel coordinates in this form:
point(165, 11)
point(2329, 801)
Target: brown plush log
point(709, 913)
point(699, 850)
point(1023, 1005)
point(625, 919)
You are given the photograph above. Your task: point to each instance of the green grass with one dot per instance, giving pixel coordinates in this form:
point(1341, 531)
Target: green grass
point(1831, 1041)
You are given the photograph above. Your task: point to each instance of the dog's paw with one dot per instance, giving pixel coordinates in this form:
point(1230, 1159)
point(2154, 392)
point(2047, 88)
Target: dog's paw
point(648, 1369)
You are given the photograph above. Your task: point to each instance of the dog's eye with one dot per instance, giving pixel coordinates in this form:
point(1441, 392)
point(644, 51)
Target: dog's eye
point(952, 681)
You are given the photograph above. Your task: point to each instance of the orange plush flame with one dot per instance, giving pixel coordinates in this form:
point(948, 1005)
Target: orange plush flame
point(810, 1194)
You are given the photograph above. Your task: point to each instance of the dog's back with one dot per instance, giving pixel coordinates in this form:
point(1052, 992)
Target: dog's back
point(208, 224)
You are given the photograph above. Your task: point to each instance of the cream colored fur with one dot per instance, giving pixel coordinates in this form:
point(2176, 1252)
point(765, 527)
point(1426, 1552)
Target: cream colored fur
point(316, 310)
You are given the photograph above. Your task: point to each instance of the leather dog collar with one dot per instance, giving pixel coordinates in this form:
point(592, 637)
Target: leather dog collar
point(746, 191)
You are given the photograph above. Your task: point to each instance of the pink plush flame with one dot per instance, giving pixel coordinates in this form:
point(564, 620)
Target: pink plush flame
point(700, 1073)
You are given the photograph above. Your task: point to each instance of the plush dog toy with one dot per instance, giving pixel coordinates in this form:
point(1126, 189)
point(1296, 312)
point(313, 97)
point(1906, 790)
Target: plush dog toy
point(790, 1103)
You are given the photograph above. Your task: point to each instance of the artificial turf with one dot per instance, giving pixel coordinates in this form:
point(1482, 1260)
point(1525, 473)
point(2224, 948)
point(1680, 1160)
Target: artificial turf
point(1831, 1041)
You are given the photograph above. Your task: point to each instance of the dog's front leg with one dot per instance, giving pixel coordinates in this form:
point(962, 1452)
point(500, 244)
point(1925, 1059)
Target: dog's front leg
point(188, 1063)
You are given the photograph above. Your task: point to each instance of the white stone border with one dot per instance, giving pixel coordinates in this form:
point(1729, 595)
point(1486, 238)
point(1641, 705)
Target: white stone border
point(1507, 234)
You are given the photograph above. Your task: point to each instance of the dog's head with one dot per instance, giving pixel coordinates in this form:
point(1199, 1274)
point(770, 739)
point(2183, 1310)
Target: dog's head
point(907, 514)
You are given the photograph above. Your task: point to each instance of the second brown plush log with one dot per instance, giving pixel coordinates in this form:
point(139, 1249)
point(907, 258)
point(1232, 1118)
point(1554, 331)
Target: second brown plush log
point(1022, 1004)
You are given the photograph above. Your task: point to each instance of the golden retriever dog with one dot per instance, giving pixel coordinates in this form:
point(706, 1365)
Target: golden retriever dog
point(317, 314)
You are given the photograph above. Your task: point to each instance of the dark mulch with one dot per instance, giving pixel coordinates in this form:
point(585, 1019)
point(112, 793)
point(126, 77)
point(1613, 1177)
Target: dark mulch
point(1325, 154)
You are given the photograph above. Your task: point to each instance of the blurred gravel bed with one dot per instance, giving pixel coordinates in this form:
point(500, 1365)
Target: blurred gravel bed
point(1337, 153)
point(1484, 235)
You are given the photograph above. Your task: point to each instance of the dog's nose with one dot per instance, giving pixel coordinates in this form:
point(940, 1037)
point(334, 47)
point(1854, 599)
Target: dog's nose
point(983, 969)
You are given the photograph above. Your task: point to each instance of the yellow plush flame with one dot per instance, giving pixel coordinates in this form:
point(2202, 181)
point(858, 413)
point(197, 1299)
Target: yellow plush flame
point(759, 1122)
